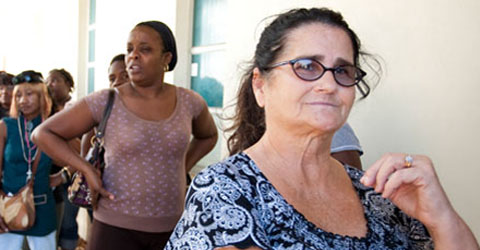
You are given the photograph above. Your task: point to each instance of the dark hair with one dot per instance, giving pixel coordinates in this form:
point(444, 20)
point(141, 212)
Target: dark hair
point(5, 78)
point(167, 38)
point(119, 57)
point(249, 119)
point(66, 76)
point(28, 76)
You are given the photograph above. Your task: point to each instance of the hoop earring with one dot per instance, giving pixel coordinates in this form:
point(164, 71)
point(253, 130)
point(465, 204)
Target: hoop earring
point(166, 68)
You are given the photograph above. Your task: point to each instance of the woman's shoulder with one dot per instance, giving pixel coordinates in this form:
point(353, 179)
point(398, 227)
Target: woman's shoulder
point(7, 120)
point(97, 101)
point(232, 171)
point(189, 94)
point(99, 94)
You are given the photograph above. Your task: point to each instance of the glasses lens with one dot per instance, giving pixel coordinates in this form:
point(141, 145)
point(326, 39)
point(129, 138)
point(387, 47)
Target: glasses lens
point(308, 69)
point(347, 75)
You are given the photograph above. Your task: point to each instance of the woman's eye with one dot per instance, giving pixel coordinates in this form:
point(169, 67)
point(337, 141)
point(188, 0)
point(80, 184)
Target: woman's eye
point(340, 71)
point(145, 49)
point(306, 65)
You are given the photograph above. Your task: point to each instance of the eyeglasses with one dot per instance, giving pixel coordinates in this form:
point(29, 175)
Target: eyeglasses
point(30, 78)
point(309, 69)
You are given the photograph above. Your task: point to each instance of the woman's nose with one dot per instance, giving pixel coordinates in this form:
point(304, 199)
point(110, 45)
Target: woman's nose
point(326, 83)
point(21, 99)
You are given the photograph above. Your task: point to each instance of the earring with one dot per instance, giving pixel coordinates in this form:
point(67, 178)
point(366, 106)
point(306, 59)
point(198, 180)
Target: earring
point(166, 68)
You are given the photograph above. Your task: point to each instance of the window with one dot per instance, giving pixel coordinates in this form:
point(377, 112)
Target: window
point(208, 50)
point(91, 47)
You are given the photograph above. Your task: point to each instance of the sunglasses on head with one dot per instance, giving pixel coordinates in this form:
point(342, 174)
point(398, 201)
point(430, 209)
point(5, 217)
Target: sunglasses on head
point(28, 78)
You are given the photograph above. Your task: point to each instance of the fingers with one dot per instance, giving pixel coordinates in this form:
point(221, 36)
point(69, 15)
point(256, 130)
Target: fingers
point(383, 169)
point(398, 179)
point(96, 195)
point(103, 192)
point(377, 171)
point(3, 226)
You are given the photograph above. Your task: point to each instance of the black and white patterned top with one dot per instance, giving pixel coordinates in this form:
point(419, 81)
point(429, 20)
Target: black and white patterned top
point(232, 203)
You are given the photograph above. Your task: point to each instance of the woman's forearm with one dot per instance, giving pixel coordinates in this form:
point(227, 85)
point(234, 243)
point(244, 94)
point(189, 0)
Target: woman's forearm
point(453, 234)
point(197, 149)
point(59, 149)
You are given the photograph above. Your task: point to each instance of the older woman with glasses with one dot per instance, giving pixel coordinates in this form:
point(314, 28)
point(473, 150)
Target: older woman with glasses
point(281, 188)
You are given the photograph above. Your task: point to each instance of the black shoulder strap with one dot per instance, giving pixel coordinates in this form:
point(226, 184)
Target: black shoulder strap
point(106, 113)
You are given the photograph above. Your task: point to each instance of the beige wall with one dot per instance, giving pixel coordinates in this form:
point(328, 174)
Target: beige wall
point(429, 97)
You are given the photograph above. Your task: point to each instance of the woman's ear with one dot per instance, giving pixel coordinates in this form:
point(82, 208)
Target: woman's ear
point(167, 58)
point(258, 84)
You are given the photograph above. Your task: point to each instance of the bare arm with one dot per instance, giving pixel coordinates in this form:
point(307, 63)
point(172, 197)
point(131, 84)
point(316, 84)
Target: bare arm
point(53, 136)
point(3, 138)
point(204, 138)
point(416, 190)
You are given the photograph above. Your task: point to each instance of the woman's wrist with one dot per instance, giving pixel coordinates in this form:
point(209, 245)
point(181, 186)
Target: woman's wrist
point(452, 233)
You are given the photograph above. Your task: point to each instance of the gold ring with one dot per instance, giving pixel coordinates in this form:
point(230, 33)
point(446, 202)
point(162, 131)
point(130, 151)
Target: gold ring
point(408, 161)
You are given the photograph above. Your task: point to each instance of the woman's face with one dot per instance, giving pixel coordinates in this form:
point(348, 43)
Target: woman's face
point(320, 105)
point(145, 56)
point(27, 100)
point(6, 95)
point(117, 74)
point(59, 88)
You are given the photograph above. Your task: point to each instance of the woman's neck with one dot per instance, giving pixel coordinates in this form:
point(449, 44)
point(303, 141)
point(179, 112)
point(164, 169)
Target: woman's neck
point(30, 117)
point(304, 158)
point(147, 91)
point(61, 103)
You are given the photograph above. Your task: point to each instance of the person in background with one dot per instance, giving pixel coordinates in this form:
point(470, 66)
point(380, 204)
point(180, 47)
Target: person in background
point(30, 106)
point(346, 147)
point(282, 189)
point(61, 85)
point(117, 72)
point(6, 89)
point(155, 134)
point(117, 75)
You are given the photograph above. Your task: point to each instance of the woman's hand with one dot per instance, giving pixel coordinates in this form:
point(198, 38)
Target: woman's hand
point(413, 186)
point(96, 187)
point(3, 226)
point(416, 190)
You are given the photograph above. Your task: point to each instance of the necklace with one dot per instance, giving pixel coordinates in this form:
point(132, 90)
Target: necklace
point(28, 130)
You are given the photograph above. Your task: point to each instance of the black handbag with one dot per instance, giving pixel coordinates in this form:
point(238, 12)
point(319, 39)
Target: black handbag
point(78, 192)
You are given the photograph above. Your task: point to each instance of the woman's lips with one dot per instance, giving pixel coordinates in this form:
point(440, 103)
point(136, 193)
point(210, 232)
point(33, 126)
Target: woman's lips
point(134, 69)
point(321, 103)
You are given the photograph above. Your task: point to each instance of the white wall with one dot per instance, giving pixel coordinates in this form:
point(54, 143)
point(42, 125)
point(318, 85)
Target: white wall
point(428, 99)
point(115, 19)
point(38, 35)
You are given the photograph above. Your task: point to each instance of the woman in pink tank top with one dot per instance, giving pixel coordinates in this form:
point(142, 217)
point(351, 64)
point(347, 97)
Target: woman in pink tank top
point(155, 134)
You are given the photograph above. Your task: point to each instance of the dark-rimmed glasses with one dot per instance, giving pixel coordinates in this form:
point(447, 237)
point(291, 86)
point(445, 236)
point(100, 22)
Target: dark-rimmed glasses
point(310, 69)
